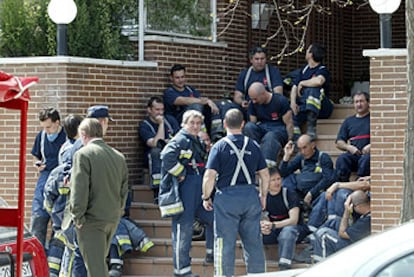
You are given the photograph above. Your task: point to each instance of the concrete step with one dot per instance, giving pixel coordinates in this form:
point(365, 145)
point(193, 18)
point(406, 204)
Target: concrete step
point(143, 210)
point(342, 111)
point(142, 193)
point(156, 228)
point(151, 266)
point(163, 248)
point(328, 126)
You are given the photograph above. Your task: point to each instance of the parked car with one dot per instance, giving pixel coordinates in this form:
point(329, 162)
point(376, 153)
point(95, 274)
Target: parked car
point(34, 257)
point(387, 254)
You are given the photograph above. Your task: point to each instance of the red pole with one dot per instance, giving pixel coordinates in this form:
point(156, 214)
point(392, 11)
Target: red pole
point(22, 175)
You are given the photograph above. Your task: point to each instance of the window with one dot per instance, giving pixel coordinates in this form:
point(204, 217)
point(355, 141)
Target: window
point(179, 17)
point(399, 268)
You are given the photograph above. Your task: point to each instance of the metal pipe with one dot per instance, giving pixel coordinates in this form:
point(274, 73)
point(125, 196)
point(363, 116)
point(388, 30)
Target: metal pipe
point(141, 30)
point(386, 30)
point(61, 41)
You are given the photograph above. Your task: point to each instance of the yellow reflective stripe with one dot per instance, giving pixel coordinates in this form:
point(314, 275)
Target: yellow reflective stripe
point(219, 256)
point(61, 237)
point(47, 207)
point(296, 130)
point(64, 190)
point(54, 266)
point(185, 154)
point(171, 209)
point(156, 182)
point(314, 102)
point(176, 169)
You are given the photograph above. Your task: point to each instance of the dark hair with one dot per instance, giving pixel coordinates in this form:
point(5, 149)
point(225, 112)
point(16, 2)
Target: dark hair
point(318, 52)
point(47, 113)
point(366, 94)
point(233, 118)
point(274, 170)
point(155, 99)
point(71, 124)
point(176, 67)
point(257, 49)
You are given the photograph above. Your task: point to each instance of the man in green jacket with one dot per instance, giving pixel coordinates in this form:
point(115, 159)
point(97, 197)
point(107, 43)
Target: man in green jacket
point(99, 187)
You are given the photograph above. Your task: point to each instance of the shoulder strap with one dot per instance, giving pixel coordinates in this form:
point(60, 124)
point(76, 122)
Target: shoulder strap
point(319, 160)
point(285, 199)
point(246, 78)
point(42, 146)
point(151, 127)
point(190, 89)
point(319, 157)
point(240, 163)
point(269, 81)
point(168, 124)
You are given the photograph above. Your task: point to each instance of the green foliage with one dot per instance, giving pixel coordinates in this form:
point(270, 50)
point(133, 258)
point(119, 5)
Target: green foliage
point(22, 28)
point(26, 29)
point(179, 16)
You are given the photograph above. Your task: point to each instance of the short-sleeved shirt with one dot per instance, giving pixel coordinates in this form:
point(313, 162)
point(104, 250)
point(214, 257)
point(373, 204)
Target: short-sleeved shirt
point(275, 205)
point(223, 160)
point(360, 229)
point(308, 72)
point(271, 112)
point(259, 76)
point(148, 129)
point(171, 94)
point(356, 130)
point(50, 154)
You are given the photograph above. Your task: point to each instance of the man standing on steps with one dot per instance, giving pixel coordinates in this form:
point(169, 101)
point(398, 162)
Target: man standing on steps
point(99, 188)
point(354, 139)
point(309, 98)
point(232, 166)
point(183, 160)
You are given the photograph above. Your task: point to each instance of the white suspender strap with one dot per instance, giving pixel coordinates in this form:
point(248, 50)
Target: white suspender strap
point(269, 82)
point(249, 71)
point(168, 124)
point(149, 125)
point(240, 163)
point(285, 199)
point(246, 79)
point(42, 146)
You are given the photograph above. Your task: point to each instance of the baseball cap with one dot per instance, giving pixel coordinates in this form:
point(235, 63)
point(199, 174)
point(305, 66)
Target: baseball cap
point(99, 111)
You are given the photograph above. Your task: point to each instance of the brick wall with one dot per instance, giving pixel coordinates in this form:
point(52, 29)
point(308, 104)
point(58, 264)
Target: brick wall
point(388, 71)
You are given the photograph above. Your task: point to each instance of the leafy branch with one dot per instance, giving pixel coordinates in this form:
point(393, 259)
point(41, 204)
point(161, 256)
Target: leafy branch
point(290, 19)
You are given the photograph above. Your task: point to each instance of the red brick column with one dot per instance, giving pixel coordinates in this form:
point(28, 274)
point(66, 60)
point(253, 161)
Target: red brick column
point(388, 91)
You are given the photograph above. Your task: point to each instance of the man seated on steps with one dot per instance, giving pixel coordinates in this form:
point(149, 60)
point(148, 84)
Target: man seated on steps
point(309, 97)
point(354, 139)
point(283, 224)
point(355, 224)
point(316, 172)
point(128, 237)
point(155, 131)
point(270, 121)
point(329, 208)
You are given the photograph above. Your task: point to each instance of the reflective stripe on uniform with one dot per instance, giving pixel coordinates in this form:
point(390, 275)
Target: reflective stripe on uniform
point(314, 102)
point(185, 154)
point(176, 169)
point(218, 257)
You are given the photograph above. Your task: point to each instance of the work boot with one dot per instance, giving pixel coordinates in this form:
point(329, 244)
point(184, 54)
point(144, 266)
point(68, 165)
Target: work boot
point(311, 124)
point(115, 270)
point(209, 259)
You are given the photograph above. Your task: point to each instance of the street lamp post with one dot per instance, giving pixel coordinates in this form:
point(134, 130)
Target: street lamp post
point(385, 8)
point(62, 12)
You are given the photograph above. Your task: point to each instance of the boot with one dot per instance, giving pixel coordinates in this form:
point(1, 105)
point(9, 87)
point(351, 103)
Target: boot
point(311, 123)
